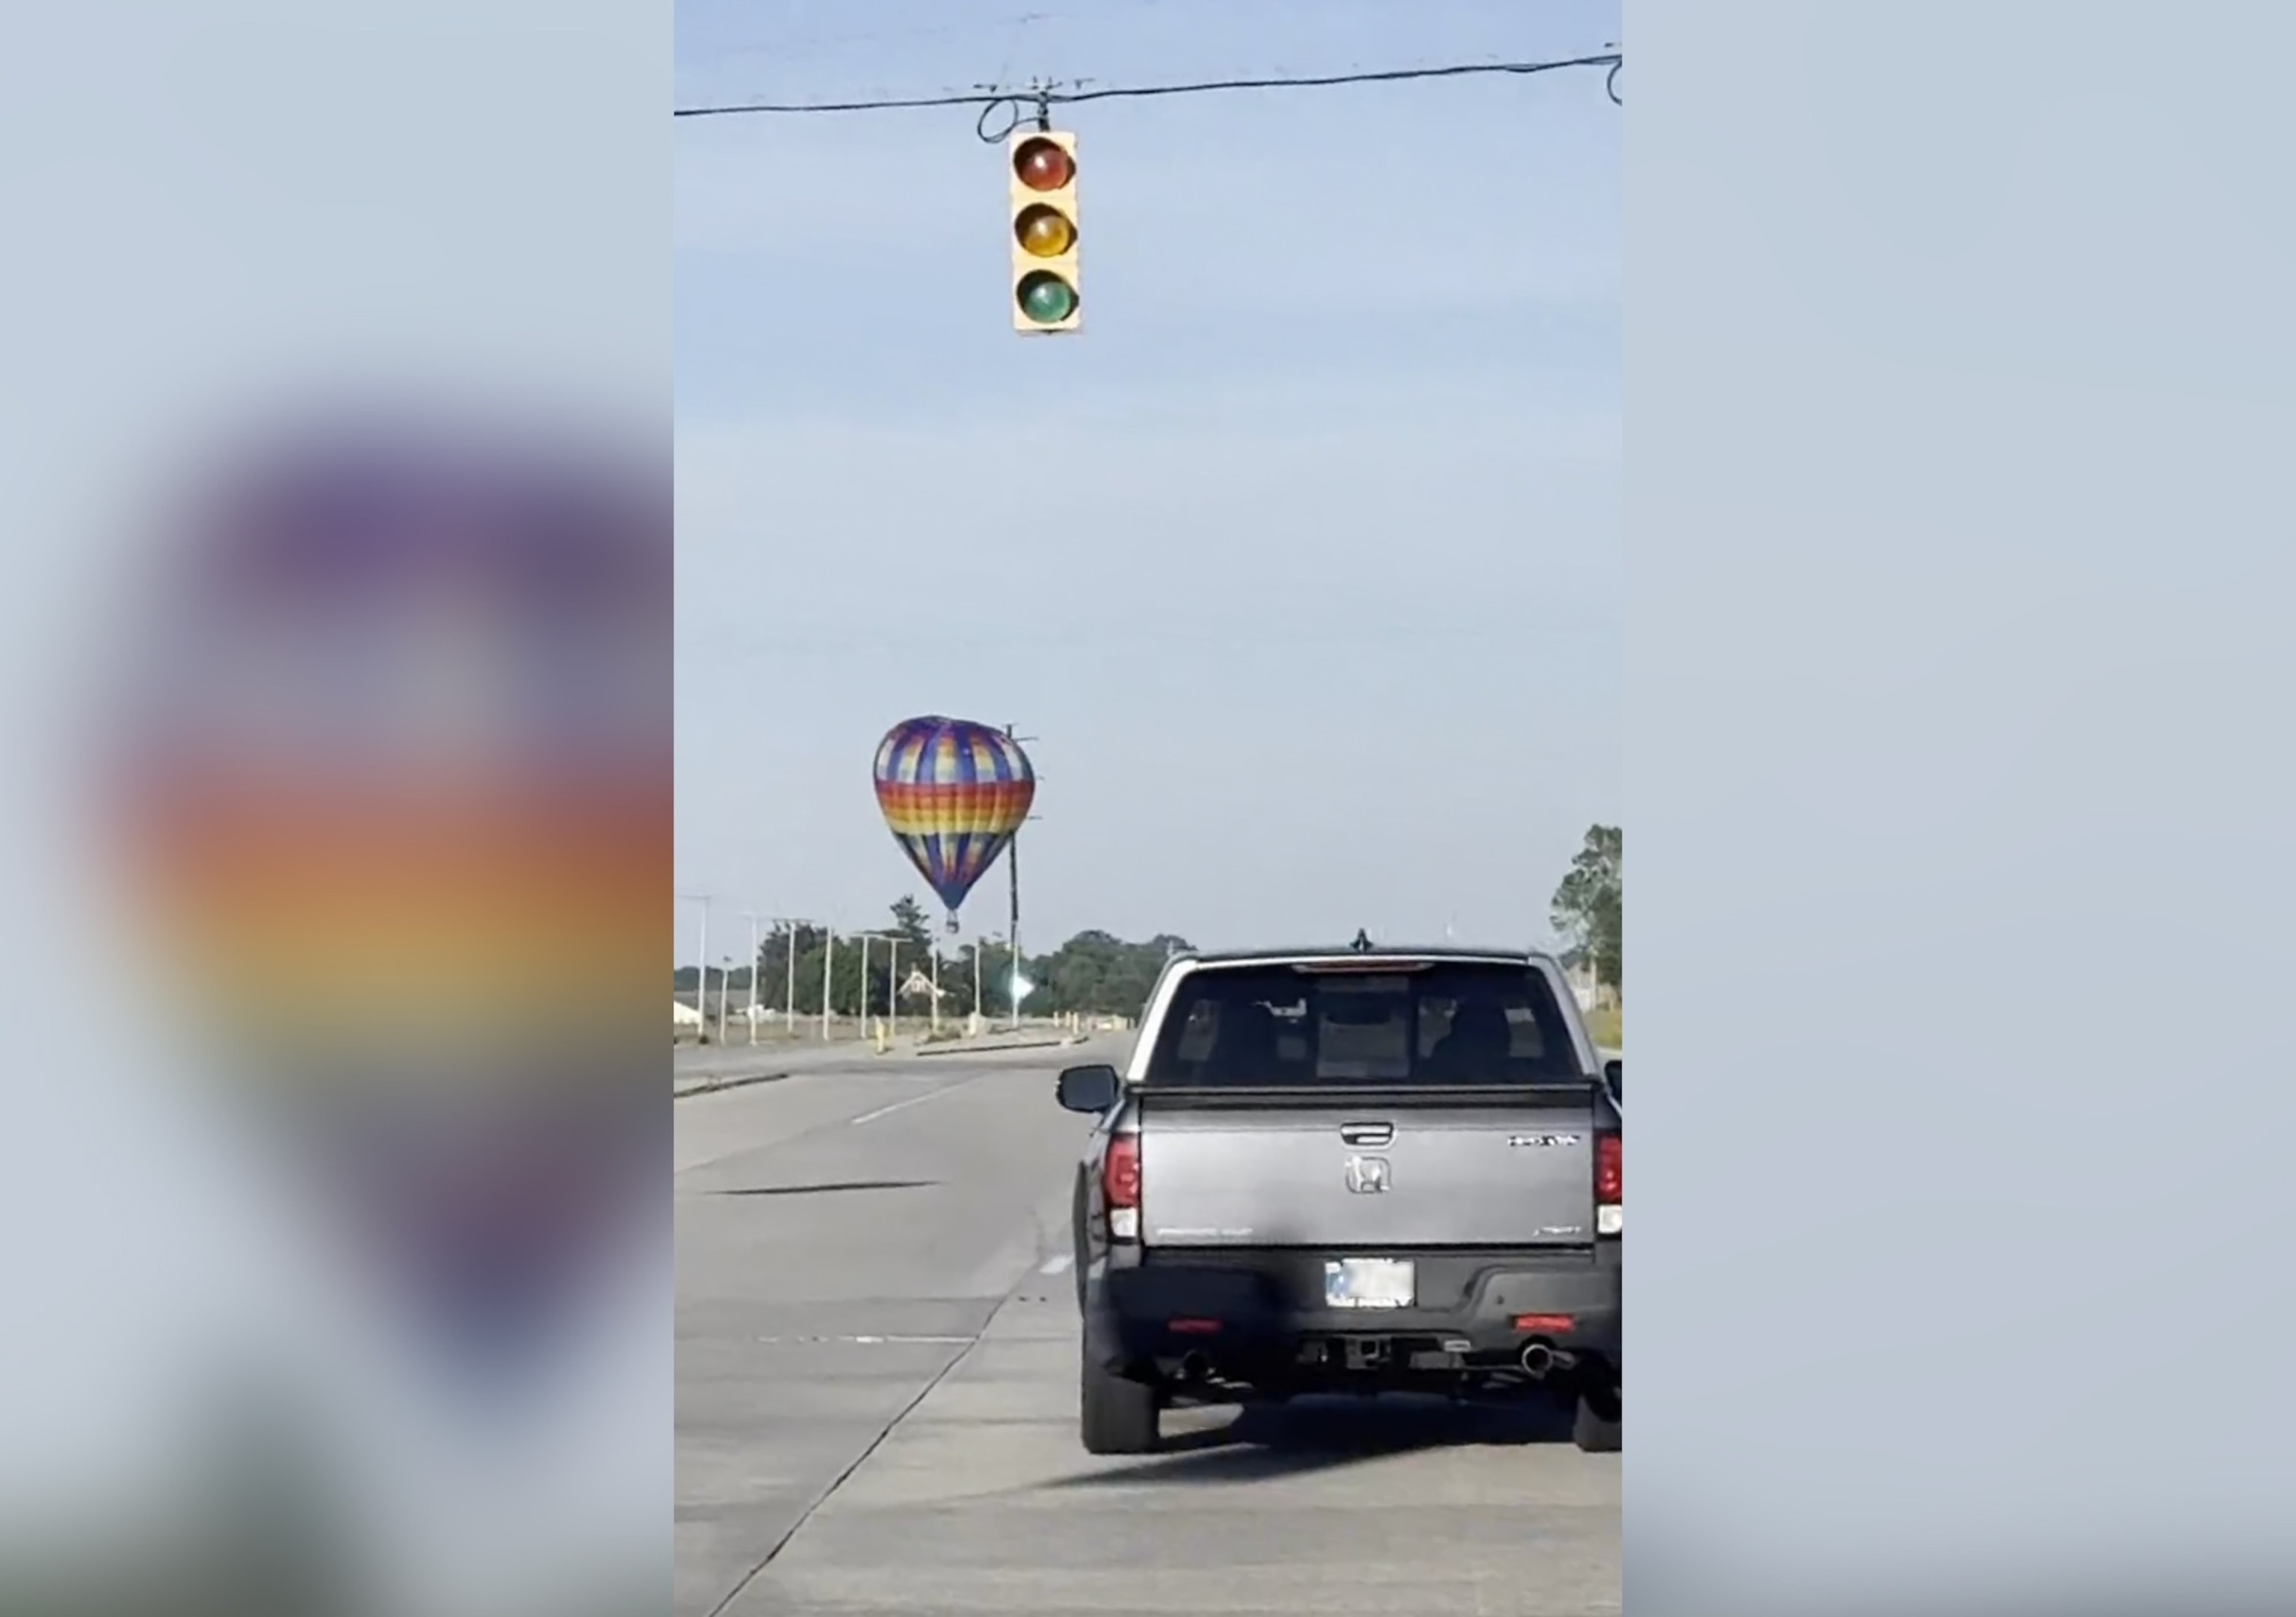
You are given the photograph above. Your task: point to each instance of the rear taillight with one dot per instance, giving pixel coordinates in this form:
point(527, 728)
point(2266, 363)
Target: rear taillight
point(1609, 1186)
point(1119, 1186)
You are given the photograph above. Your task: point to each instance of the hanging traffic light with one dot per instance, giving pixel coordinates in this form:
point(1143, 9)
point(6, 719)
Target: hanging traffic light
point(1044, 173)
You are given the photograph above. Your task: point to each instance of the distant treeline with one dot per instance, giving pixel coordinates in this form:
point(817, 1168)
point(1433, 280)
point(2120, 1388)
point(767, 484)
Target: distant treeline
point(1092, 973)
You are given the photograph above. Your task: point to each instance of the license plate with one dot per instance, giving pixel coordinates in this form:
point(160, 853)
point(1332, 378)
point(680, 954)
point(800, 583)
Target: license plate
point(1368, 1283)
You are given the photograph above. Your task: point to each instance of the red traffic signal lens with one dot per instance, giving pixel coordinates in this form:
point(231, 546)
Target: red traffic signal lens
point(1046, 298)
point(1043, 232)
point(1042, 165)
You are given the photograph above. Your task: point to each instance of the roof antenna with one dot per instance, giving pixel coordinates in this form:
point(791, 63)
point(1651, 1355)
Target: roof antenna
point(1362, 945)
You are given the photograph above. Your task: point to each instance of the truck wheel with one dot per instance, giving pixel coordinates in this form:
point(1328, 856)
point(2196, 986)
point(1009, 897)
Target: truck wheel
point(1596, 1429)
point(1118, 1417)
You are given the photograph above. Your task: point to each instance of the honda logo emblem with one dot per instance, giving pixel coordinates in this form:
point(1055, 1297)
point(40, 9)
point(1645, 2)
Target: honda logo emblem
point(1368, 1175)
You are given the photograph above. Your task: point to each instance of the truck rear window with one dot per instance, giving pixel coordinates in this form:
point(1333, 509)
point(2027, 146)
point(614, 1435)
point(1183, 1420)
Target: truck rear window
point(1448, 1022)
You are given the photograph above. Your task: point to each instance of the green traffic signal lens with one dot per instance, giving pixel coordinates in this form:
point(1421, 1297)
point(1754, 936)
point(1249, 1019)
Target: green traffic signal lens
point(1046, 298)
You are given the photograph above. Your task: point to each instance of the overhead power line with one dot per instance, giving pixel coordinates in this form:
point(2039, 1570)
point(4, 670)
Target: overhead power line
point(1043, 98)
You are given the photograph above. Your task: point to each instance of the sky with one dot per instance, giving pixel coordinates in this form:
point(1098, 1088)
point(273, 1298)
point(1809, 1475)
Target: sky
point(1300, 562)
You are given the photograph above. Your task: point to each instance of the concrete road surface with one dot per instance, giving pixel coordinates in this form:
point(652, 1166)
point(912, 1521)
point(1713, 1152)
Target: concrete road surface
point(876, 1393)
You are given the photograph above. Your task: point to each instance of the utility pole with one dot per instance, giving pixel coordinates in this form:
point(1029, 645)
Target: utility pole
point(864, 981)
point(932, 973)
point(1013, 872)
point(725, 993)
point(976, 980)
point(1013, 954)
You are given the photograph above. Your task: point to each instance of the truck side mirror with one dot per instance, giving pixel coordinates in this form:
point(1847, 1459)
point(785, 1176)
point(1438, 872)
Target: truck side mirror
point(1092, 1090)
point(1614, 1074)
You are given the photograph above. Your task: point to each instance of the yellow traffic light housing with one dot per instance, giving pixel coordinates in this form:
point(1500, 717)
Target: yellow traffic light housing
point(1043, 171)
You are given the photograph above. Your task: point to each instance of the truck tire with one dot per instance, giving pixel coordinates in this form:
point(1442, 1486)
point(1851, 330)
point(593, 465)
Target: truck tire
point(1118, 1417)
point(1596, 1429)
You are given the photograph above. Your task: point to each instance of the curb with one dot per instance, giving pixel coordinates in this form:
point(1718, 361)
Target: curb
point(1035, 1044)
point(715, 1086)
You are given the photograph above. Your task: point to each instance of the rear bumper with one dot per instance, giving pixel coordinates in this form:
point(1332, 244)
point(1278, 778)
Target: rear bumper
point(1242, 1307)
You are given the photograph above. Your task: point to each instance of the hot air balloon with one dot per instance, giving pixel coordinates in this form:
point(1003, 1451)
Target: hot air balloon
point(953, 793)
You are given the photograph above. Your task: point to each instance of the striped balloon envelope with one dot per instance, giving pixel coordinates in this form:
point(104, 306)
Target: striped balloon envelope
point(953, 793)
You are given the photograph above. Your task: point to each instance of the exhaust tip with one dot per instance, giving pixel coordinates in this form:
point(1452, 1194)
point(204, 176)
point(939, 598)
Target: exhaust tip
point(1537, 1358)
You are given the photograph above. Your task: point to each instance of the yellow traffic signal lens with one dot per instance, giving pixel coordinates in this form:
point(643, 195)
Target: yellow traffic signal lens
point(1046, 298)
point(1042, 166)
point(1045, 232)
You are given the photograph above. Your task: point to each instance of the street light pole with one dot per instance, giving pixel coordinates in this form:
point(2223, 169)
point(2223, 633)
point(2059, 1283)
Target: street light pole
point(892, 943)
point(725, 993)
point(789, 1000)
point(700, 966)
point(828, 969)
point(893, 989)
point(751, 916)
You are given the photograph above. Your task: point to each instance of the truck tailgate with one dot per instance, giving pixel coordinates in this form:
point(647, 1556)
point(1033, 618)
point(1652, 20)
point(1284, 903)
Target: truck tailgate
point(1368, 1170)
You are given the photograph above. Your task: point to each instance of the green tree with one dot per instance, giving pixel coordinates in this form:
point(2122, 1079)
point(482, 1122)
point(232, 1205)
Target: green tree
point(956, 979)
point(993, 960)
point(846, 990)
point(909, 921)
point(774, 973)
point(1094, 973)
point(1098, 973)
point(1589, 906)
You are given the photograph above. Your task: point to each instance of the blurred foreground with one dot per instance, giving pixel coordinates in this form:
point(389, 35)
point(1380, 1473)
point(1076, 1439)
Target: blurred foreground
point(339, 1281)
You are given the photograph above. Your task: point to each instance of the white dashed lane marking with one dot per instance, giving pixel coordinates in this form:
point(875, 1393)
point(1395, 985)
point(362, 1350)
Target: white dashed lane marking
point(914, 1100)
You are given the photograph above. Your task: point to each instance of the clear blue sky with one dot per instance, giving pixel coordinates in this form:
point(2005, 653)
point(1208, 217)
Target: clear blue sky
point(1302, 561)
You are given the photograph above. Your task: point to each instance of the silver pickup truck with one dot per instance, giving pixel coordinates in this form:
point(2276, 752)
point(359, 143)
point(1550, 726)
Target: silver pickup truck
point(1349, 1170)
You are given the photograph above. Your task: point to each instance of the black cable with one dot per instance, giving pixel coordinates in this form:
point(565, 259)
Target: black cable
point(829, 106)
point(989, 100)
point(980, 126)
point(1389, 76)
